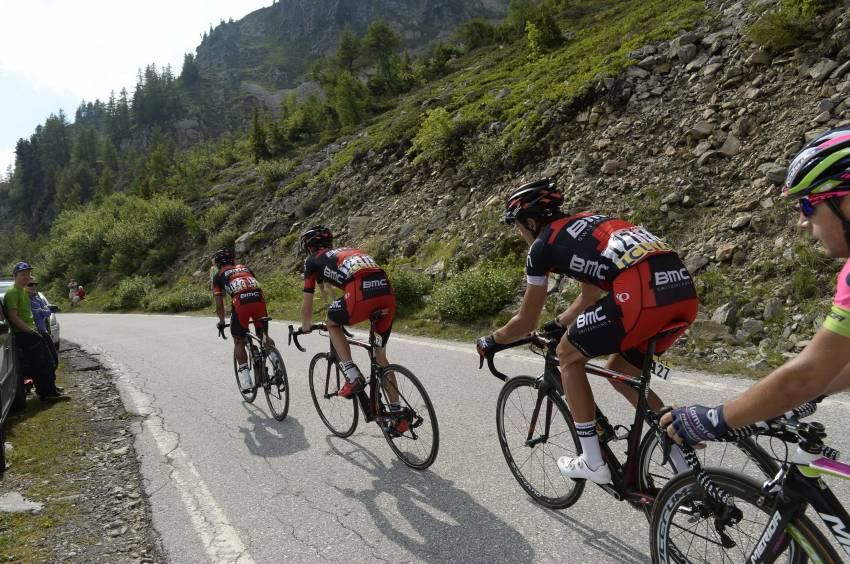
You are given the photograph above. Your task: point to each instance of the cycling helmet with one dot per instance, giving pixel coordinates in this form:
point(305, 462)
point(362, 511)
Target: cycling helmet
point(222, 257)
point(539, 199)
point(317, 237)
point(822, 166)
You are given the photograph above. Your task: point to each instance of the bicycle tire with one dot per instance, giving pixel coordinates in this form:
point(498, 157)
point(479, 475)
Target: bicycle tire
point(683, 490)
point(276, 384)
point(423, 420)
point(524, 391)
point(247, 396)
point(325, 380)
point(744, 456)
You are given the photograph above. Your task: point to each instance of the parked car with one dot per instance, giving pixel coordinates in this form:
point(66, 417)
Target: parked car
point(53, 322)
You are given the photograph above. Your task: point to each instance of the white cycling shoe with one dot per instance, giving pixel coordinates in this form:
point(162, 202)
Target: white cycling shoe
point(245, 379)
point(577, 469)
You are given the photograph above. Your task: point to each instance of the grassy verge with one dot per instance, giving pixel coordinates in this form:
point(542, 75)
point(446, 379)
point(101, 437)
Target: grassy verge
point(47, 442)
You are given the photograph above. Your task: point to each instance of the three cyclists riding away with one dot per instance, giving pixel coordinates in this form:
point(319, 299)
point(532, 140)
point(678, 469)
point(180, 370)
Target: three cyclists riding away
point(366, 289)
point(247, 305)
point(633, 285)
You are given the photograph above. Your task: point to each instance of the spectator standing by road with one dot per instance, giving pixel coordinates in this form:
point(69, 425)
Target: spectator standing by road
point(33, 351)
point(41, 315)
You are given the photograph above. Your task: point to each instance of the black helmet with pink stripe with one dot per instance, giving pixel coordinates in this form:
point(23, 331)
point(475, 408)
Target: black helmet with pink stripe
point(539, 200)
point(315, 238)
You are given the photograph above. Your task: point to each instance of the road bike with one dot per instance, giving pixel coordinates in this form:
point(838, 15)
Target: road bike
point(715, 515)
point(265, 364)
point(535, 428)
point(411, 430)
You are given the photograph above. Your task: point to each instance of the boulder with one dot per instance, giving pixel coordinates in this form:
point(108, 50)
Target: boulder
point(731, 146)
point(727, 314)
point(821, 70)
point(724, 252)
point(772, 307)
point(701, 130)
point(709, 330)
point(243, 243)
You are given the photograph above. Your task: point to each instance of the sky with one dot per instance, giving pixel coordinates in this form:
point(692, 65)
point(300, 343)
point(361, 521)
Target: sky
point(56, 53)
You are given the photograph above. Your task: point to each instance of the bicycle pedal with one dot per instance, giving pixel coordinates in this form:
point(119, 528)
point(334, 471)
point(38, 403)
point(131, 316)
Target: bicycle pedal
point(618, 429)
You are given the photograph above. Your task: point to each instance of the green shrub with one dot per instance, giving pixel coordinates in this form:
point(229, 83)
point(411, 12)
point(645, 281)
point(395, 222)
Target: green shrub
point(223, 239)
point(437, 139)
point(185, 298)
point(272, 172)
point(410, 286)
point(130, 293)
point(484, 154)
point(473, 294)
point(282, 288)
point(790, 25)
point(214, 217)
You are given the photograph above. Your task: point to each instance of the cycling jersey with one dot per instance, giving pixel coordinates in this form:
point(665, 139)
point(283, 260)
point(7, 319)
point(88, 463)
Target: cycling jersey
point(591, 248)
point(246, 296)
point(337, 266)
point(235, 279)
point(365, 284)
point(838, 320)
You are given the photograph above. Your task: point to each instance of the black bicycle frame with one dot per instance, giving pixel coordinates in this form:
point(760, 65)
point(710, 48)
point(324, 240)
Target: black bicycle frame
point(798, 492)
point(624, 482)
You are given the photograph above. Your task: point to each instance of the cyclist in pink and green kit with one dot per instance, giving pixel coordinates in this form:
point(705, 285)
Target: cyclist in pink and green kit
point(819, 177)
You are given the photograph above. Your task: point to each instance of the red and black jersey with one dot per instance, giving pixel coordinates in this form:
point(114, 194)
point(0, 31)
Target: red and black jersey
point(591, 248)
point(235, 279)
point(337, 266)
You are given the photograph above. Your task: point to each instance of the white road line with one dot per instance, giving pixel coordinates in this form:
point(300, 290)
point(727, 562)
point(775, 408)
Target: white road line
point(219, 538)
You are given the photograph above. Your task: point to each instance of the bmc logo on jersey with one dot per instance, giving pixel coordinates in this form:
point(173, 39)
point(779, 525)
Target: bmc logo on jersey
point(369, 284)
point(577, 229)
point(332, 275)
point(671, 276)
point(591, 268)
point(590, 317)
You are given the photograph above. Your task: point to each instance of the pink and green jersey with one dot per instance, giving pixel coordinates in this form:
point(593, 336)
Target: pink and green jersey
point(838, 320)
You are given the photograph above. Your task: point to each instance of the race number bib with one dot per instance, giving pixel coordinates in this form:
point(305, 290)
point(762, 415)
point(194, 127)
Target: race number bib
point(660, 370)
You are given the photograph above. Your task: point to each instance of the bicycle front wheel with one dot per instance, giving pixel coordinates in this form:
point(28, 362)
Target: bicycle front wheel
point(337, 413)
point(684, 528)
point(250, 395)
point(414, 435)
point(535, 428)
point(276, 384)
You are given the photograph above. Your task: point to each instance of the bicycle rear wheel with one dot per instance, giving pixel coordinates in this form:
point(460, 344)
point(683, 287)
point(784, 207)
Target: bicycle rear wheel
point(744, 456)
point(276, 384)
point(251, 395)
point(683, 527)
point(535, 428)
point(418, 444)
point(337, 413)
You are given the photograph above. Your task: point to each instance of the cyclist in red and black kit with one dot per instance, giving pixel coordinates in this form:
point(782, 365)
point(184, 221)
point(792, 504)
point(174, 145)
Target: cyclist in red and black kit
point(247, 303)
point(367, 289)
point(632, 286)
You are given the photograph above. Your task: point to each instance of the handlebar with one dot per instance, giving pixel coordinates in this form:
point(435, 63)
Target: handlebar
point(295, 333)
point(535, 339)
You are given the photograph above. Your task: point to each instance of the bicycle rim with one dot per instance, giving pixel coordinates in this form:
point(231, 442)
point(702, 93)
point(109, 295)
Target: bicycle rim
point(247, 396)
point(417, 447)
point(534, 461)
point(682, 529)
point(276, 384)
point(337, 413)
point(743, 456)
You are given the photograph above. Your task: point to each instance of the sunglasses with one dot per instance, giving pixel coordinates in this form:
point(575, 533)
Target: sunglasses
point(32, 284)
point(808, 203)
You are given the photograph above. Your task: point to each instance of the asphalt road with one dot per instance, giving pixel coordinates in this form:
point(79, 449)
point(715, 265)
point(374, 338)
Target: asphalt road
point(228, 483)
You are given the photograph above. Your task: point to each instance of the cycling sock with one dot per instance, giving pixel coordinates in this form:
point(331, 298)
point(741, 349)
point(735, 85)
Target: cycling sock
point(244, 368)
point(352, 373)
point(589, 444)
point(677, 457)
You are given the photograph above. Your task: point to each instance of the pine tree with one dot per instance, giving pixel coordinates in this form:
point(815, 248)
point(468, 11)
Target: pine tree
point(349, 99)
point(190, 74)
point(257, 136)
point(380, 44)
point(348, 49)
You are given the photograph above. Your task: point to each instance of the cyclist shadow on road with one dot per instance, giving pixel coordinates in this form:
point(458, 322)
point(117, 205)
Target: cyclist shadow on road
point(432, 520)
point(268, 438)
point(602, 541)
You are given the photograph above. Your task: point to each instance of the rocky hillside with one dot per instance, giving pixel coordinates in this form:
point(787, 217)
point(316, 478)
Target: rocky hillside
point(271, 49)
point(691, 140)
